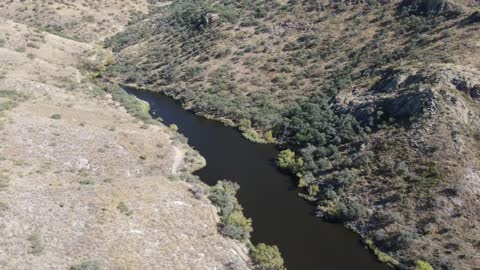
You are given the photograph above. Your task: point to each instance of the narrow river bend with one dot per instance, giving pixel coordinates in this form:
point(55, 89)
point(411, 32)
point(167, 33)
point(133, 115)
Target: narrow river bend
point(268, 196)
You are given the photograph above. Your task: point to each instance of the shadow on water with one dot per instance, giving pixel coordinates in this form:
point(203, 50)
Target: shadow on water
point(268, 196)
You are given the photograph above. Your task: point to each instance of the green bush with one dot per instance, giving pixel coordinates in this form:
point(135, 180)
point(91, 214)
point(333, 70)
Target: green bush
point(14, 99)
point(56, 116)
point(422, 265)
point(381, 256)
point(341, 212)
point(267, 257)
point(234, 223)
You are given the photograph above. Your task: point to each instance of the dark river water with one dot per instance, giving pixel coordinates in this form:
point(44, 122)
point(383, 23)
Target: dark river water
point(268, 196)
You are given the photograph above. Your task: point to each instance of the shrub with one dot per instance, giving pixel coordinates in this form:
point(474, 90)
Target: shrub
point(269, 137)
point(267, 257)
point(353, 211)
point(344, 178)
point(110, 60)
point(398, 241)
point(36, 244)
point(174, 127)
point(237, 220)
point(86, 265)
point(381, 256)
point(197, 192)
point(123, 208)
point(87, 182)
point(134, 106)
point(88, 19)
point(234, 223)
point(341, 212)
point(4, 180)
point(56, 116)
point(422, 265)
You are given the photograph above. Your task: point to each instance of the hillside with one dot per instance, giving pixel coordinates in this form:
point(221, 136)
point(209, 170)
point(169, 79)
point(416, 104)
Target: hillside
point(84, 20)
point(87, 179)
point(375, 102)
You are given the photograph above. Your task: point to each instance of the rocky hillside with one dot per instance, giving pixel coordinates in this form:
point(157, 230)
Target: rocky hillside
point(374, 102)
point(83, 183)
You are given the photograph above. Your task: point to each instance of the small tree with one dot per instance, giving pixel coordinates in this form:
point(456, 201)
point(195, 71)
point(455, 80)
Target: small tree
point(286, 158)
point(267, 257)
point(269, 137)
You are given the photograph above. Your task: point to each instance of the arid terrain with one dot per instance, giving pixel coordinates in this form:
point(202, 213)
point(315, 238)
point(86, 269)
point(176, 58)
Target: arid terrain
point(86, 20)
point(83, 183)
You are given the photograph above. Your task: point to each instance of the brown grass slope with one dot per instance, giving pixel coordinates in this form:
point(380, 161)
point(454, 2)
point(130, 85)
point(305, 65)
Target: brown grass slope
point(87, 20)
point(82, 182)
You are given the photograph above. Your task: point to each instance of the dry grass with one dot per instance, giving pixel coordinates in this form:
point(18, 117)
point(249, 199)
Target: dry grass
point(84, 20)
point(73, 189)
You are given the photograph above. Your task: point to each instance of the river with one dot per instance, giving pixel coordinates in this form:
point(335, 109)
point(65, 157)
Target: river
point(268, 196)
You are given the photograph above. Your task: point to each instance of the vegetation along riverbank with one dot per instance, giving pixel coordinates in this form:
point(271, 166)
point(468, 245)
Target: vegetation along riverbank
point(88, 180)
point(375, 104)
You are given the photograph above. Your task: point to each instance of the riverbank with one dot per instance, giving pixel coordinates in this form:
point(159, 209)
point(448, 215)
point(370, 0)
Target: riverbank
point(233, 223)
point(267, 195)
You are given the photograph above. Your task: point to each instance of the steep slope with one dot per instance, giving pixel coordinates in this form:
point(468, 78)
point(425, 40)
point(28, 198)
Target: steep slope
point(83, 183)
point(378, 101)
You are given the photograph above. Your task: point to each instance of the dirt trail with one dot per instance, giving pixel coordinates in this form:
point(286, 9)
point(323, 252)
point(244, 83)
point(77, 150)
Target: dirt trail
point(177, 159)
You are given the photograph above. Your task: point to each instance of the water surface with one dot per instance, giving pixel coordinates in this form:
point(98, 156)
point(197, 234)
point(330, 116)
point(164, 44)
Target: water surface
point(268, 196)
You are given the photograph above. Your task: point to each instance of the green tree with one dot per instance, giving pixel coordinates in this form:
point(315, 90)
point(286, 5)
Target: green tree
point(422, 265)
point(286, 160)
point(267, 257)
point(242, 226)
